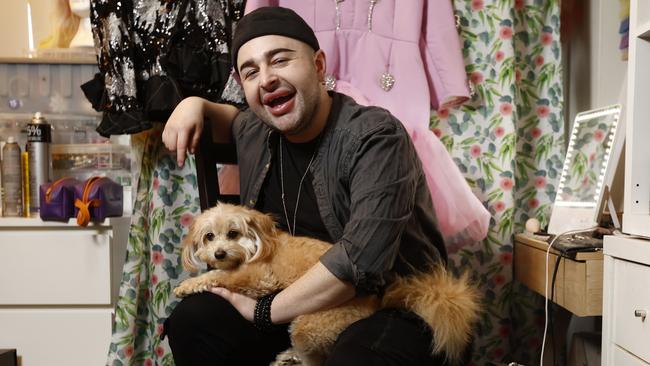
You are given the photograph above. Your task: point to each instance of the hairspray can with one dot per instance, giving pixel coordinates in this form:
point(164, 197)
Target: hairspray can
point(11, 178)
point(39, 137)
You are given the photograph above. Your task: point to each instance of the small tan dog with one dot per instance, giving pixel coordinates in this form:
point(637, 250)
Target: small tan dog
point(251, 256)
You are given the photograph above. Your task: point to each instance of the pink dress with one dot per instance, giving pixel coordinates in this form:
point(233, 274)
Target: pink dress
point(417, 45)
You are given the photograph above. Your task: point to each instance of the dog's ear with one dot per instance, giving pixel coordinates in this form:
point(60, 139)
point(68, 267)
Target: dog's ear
point(190, 244)
point(264, 229)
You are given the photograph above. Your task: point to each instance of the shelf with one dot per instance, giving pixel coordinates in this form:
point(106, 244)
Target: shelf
point(36, 222)
point(49, 60)
point(636, 224)
point(628, 248)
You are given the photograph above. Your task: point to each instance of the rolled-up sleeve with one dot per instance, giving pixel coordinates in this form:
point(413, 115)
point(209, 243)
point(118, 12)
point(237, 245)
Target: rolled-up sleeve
point(382, 171)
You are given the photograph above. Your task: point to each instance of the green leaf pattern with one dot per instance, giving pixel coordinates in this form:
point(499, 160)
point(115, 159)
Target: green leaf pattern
point(166, 200)
point(508, 142)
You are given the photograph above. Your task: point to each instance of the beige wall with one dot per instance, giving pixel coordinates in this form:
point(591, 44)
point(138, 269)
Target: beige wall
point(13, 25)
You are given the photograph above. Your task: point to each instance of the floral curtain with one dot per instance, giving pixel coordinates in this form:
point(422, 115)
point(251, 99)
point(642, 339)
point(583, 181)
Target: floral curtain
point(508, 141)
point(166, 202)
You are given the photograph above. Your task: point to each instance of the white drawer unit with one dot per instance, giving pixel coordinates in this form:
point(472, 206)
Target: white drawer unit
point(63, 267)
point(626, 308)
point(622, 357)
point(71, 337)
point(58, 289)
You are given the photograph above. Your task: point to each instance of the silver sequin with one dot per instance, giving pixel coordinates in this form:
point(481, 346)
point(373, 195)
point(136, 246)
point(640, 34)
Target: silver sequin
point(330, 82)
point(387, 81)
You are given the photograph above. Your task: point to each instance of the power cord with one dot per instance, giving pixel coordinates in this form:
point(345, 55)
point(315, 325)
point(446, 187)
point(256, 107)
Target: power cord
point(546, 299)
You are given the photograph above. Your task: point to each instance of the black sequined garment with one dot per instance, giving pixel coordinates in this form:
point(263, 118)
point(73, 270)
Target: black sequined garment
point(149, 61)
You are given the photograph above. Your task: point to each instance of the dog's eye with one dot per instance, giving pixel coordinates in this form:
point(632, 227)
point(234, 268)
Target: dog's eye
point(209, 236)
point(233, 234)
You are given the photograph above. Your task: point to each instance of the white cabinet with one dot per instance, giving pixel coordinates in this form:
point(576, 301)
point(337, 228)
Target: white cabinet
point(58, 289)
point(626, 307)
point(636, 216)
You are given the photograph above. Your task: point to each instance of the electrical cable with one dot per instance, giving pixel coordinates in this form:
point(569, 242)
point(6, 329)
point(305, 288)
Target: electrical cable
point(546, 299)
point(550, 316)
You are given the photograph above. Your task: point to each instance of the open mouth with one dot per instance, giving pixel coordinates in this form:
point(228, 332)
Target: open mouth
point(279, 103)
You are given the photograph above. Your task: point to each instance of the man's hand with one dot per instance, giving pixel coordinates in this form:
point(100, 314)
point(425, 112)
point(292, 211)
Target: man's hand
point(244, 304)
point(183, 128)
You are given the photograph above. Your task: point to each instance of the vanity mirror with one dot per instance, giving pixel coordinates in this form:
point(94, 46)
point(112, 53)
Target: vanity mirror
point(595, 145)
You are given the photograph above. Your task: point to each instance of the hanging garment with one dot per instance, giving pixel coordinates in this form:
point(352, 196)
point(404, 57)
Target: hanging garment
point(153, 53)
point(165, 203)
point(403, 56)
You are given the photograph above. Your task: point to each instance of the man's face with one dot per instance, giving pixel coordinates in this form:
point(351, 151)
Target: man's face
point(281, 78)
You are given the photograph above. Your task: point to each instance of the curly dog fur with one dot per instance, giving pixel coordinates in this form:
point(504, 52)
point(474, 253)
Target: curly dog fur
point(251, 256)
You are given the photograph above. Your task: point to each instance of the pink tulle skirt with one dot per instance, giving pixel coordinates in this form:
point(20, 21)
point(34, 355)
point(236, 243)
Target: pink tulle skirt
point(461, 216)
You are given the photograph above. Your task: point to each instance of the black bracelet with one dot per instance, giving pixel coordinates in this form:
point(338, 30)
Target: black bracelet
point(262, 315)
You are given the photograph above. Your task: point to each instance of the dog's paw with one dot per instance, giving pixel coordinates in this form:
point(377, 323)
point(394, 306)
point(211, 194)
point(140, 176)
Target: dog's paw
point(287, 358)
point(192, 286)
point(187, 287)
point(179, 292)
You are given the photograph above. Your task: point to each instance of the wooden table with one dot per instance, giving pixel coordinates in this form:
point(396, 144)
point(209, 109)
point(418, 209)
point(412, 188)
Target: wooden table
point(579, 280)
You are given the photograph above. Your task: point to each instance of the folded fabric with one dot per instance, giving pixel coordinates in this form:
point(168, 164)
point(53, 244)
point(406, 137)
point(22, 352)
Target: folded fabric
point(57, 199)
point(96, 199)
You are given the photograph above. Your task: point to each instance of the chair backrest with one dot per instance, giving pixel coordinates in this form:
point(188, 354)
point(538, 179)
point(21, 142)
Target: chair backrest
point(209, 155)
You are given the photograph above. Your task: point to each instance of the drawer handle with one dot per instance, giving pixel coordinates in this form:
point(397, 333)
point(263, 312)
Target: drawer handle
point(640, 314)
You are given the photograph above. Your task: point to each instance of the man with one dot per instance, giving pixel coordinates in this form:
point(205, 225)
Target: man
point(326, 167)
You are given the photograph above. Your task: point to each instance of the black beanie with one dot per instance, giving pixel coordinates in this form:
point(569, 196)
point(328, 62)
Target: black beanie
point(272, 20)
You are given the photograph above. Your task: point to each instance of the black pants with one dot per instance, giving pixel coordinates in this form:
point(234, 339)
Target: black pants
point(205, 329)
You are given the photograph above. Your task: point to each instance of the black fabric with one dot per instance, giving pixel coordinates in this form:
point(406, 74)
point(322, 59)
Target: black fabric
point(295, 161)
point(272, 20)
point(95, 92)
point(153, 54)
point(204, 329)
point(162, 93)
point(390, 337)
point(121, 123)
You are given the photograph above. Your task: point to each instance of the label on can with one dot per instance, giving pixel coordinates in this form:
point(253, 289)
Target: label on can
point(39, 132)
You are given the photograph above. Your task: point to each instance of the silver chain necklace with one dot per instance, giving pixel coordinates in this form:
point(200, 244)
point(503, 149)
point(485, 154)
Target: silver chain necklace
point(292, 231)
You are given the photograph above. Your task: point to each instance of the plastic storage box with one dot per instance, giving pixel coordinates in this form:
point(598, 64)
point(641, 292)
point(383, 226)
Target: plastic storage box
point(82, 161)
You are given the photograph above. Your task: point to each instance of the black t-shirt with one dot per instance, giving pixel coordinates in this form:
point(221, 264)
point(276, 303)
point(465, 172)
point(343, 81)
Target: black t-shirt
point(295, 160)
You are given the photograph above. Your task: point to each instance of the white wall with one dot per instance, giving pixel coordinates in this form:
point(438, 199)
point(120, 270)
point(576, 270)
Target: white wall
point(595, 74)
point(608, 71)
point(13, 25)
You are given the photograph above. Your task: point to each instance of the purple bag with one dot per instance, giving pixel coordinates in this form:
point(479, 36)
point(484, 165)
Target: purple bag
point(57, 200)
point(96, 199)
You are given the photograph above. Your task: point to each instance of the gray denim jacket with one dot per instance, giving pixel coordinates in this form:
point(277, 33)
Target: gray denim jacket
point(371, 192)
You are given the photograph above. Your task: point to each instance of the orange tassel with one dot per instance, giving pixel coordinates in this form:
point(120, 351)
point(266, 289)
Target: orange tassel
point(83, 217)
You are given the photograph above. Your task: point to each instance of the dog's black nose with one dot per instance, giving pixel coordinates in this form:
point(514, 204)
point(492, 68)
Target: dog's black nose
point(220, 254)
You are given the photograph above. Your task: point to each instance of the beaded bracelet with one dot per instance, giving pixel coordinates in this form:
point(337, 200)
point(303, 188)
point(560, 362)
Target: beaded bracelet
point(262, 315)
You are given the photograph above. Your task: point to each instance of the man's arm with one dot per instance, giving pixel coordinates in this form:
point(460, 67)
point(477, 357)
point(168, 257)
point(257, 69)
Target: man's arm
point(183, 128)
point(316, 290)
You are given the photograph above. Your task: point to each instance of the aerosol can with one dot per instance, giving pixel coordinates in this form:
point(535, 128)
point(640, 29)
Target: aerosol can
point(11, 179)
point(39, 137)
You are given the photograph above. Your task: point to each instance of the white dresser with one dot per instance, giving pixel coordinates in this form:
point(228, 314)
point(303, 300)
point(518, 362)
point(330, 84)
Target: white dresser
point(58, 288)
point(626, 307)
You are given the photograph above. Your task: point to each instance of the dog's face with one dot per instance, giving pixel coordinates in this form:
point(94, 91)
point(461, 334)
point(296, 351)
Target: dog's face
point(227, 236)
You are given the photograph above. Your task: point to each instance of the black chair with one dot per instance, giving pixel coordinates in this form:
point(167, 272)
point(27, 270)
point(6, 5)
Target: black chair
point(210, 154)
